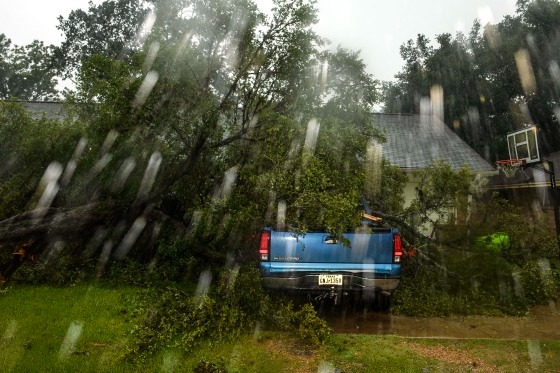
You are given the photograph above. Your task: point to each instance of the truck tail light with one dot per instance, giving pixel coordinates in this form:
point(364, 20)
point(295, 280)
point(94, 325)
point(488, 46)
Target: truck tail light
point(264, 245)
point(397, 248)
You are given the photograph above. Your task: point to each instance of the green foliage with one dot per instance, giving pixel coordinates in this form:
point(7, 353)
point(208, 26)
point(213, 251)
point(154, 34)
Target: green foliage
point(496, 242)
point(60, 269)
point(485, 94)
point(108, 28)
point(28, 147)
point(439, 188)
point(215, 109)
point(27, 72)
point(389, 196)
point(471, 276)
point(311, 328)
point(461, 284)
point(441, 191)
point(235, 306)
point(527, 240)
point(539, 280)
point(218, 119)
point(426, 302)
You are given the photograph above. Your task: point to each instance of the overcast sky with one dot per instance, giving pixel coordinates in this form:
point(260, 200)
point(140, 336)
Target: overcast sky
point(376, 28)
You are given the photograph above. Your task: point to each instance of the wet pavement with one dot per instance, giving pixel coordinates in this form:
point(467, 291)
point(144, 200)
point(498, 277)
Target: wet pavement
point(542, 323)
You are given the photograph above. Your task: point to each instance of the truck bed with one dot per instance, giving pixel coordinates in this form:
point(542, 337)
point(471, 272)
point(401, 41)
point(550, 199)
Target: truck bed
point(316, 262)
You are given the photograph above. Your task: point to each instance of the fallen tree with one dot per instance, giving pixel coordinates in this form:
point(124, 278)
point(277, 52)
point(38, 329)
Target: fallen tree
point(211, 121)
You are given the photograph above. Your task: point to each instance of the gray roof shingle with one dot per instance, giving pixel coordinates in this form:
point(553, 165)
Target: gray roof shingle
point(414, 141)
point(50, 109)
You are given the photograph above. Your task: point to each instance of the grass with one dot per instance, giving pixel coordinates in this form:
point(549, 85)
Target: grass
point(80, 328)
point(85, 329)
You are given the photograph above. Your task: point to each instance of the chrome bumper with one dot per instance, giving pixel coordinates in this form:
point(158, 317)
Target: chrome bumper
point(310, 283)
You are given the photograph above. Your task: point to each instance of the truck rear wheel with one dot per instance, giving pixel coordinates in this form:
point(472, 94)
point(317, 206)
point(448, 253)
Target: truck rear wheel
point(382, 301)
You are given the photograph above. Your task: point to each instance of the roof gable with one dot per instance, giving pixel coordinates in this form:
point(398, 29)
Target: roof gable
point(415, 141)
point(49, 109)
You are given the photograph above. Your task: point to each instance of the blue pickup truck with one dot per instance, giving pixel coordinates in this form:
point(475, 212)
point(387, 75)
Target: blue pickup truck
point(366, 263)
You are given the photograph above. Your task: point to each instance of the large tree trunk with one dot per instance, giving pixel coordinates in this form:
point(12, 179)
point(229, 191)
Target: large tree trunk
point(29, 234)
point(56, 222)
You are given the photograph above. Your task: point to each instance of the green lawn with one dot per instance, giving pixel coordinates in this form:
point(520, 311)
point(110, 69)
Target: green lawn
point(80, 328)
point(85, 329)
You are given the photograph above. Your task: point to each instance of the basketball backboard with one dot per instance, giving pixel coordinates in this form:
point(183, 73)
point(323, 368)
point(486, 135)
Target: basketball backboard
point(523, 145)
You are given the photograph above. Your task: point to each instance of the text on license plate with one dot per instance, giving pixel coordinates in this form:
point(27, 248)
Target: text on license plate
point(330, 279)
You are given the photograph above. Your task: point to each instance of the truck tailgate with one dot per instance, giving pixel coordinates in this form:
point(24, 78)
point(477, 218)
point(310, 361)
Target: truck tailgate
point(376, 248)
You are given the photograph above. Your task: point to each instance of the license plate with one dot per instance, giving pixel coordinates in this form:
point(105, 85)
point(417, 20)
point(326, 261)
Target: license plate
point(330, 279)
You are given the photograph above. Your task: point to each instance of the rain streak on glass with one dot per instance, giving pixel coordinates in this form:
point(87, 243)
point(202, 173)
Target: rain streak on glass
point(10, 332)
point(324, 76)
point(554, 70)
point(203, 286)
point(123, 173)
point(229, 181)
point(149, 175)
point(105, 255)
point(73, 163)
point(101, 164)
point(326, 367)
point(271, 205)
point(310, 139)
point(281, 216)
point(130, 238)
point(151, 57)
point(535, 354)
point(373, 166)
point(145, 88)
point(152, 76)
point(233, 276)
point(525, 71)
point(146, 28)
point(49, 187)
point(72, 335)
point(170, 361)
point(109, 141)
point(517, 286)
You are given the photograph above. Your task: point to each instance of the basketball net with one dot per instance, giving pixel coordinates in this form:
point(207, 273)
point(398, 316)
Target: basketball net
point(509, 166)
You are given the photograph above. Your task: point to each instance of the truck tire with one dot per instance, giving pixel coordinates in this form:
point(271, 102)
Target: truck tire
point(382, 301)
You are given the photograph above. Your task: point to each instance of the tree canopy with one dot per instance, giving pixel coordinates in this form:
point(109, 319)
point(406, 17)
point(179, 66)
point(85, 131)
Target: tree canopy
point(495, 79)
point(27, 72)
point(211, 116)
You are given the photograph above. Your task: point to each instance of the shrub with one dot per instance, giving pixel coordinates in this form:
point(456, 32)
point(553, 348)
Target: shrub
point(540, 281)
point(174, 317)
point(453, 282)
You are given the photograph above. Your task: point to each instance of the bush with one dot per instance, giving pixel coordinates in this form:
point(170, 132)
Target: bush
point(58, 266)
point(178, 318)
point(451, 281)
point(501, 264)
point(311, 328)
point(540, 282)
point(421, 299)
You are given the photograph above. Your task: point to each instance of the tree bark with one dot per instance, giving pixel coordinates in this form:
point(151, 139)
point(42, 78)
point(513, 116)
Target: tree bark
point(36, 229)
point(62, 222)
point(27, 235)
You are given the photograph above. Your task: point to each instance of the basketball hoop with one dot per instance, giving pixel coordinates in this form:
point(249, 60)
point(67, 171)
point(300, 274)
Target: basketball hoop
point(509, 166)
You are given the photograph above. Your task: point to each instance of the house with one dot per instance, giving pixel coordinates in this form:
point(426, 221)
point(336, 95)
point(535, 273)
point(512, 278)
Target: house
point(415, 141)
point(49, 109)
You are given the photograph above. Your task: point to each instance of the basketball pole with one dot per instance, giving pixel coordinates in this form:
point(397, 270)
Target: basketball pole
point(523, 145)
point(554, 193)
point(548, 168)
